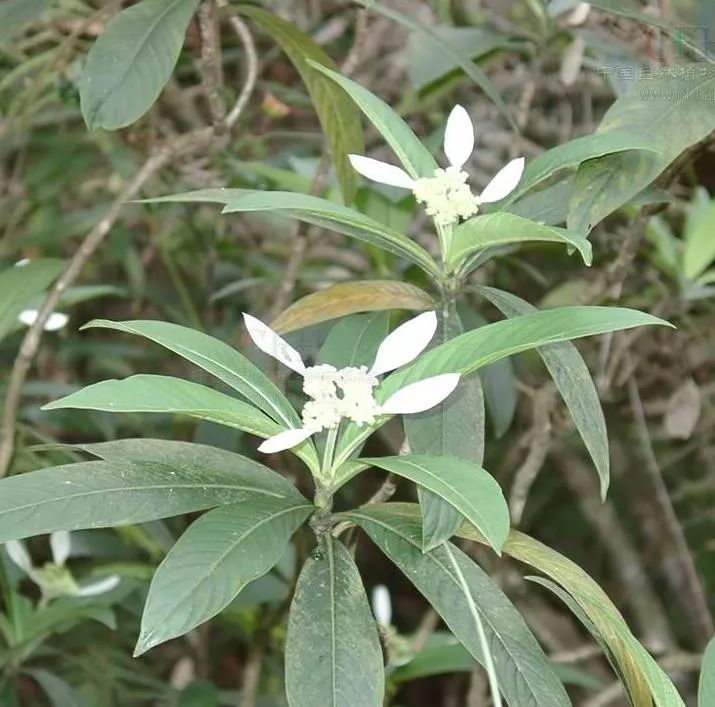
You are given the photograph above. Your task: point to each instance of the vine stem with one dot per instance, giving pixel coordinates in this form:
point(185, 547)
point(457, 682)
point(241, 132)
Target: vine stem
point(486, 651)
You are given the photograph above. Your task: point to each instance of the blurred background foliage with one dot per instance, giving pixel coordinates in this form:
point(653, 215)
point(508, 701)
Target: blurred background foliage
point(558, 68)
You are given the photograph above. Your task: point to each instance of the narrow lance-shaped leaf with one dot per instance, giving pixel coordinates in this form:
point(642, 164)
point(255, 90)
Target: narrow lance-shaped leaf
point(454, 428)
point(480, 347)
point(163, 394)
point(214, 560)
point(670, 112)
point(319, 212)
point(464, 485)
point(573, 152)
point(573, 380)
point(346, 298)
point(354, 340)
point(439, 45)
point(412, 154)
point(524, 674)
point(641, 672)
point(215, 357)
point(132, 60)
point(333, 654)
point(503, 228)
point(338, 119)
point(175, 478)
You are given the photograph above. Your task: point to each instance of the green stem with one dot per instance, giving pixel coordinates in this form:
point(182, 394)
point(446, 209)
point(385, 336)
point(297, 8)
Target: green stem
point(326, 469)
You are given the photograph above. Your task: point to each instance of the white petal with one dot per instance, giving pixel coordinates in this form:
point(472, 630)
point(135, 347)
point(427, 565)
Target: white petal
point(17, 553)
point(381, 171)
point(269, 342)
point(504, 182)
point(284, 440)
point(55, 321)
point(405, 343)
point(458, 137)
point(101, 587)
point(60, 544)
point(22, 262)
point(421, 396)
point(382, 605)
point(579, 14)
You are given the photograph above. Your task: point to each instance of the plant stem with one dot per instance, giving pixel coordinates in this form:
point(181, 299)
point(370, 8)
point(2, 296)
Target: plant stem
point(328, 454)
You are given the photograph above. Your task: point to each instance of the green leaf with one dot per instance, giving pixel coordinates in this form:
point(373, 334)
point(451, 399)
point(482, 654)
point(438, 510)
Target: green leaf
point(131, 61)
point(706, 689)
point(174, 478)
point(480, 347)
point(163, 394)
point(501, 228)
point(453, 428)
point(213, 561)
point(468, 488)
point(215, 357)
point(575, 151)
point(436, 660)
point(354, 340)
point(447, 656)
point(336, 113)
point(497, 379)
point(548, 205)
point(525, 676)
point(60, 693)
point(425, 66)
point(416, 159)
point(642, 675)
point(333, 655)
point(674, 113)
point(316, 211)
point(440, 46)
point(700, 244)
point(345, 298)
point(573, 380)
point(20, 285)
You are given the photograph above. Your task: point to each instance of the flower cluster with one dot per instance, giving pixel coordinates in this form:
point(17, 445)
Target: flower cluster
point(446, 195)
point(337, 394)
point(348, 393)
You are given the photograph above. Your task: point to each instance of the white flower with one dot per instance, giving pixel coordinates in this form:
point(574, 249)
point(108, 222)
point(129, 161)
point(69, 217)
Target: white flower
point(446, 195)
point(55, 321)
point(54, 579)
point(28, 317)
point(382, 605)
point(348, 393)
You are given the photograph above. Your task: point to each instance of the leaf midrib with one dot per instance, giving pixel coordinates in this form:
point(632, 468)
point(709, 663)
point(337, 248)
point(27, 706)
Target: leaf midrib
point(284, 417)
point(232, 546)
point(442, 485)
point(452, 578)
point(129, 489)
